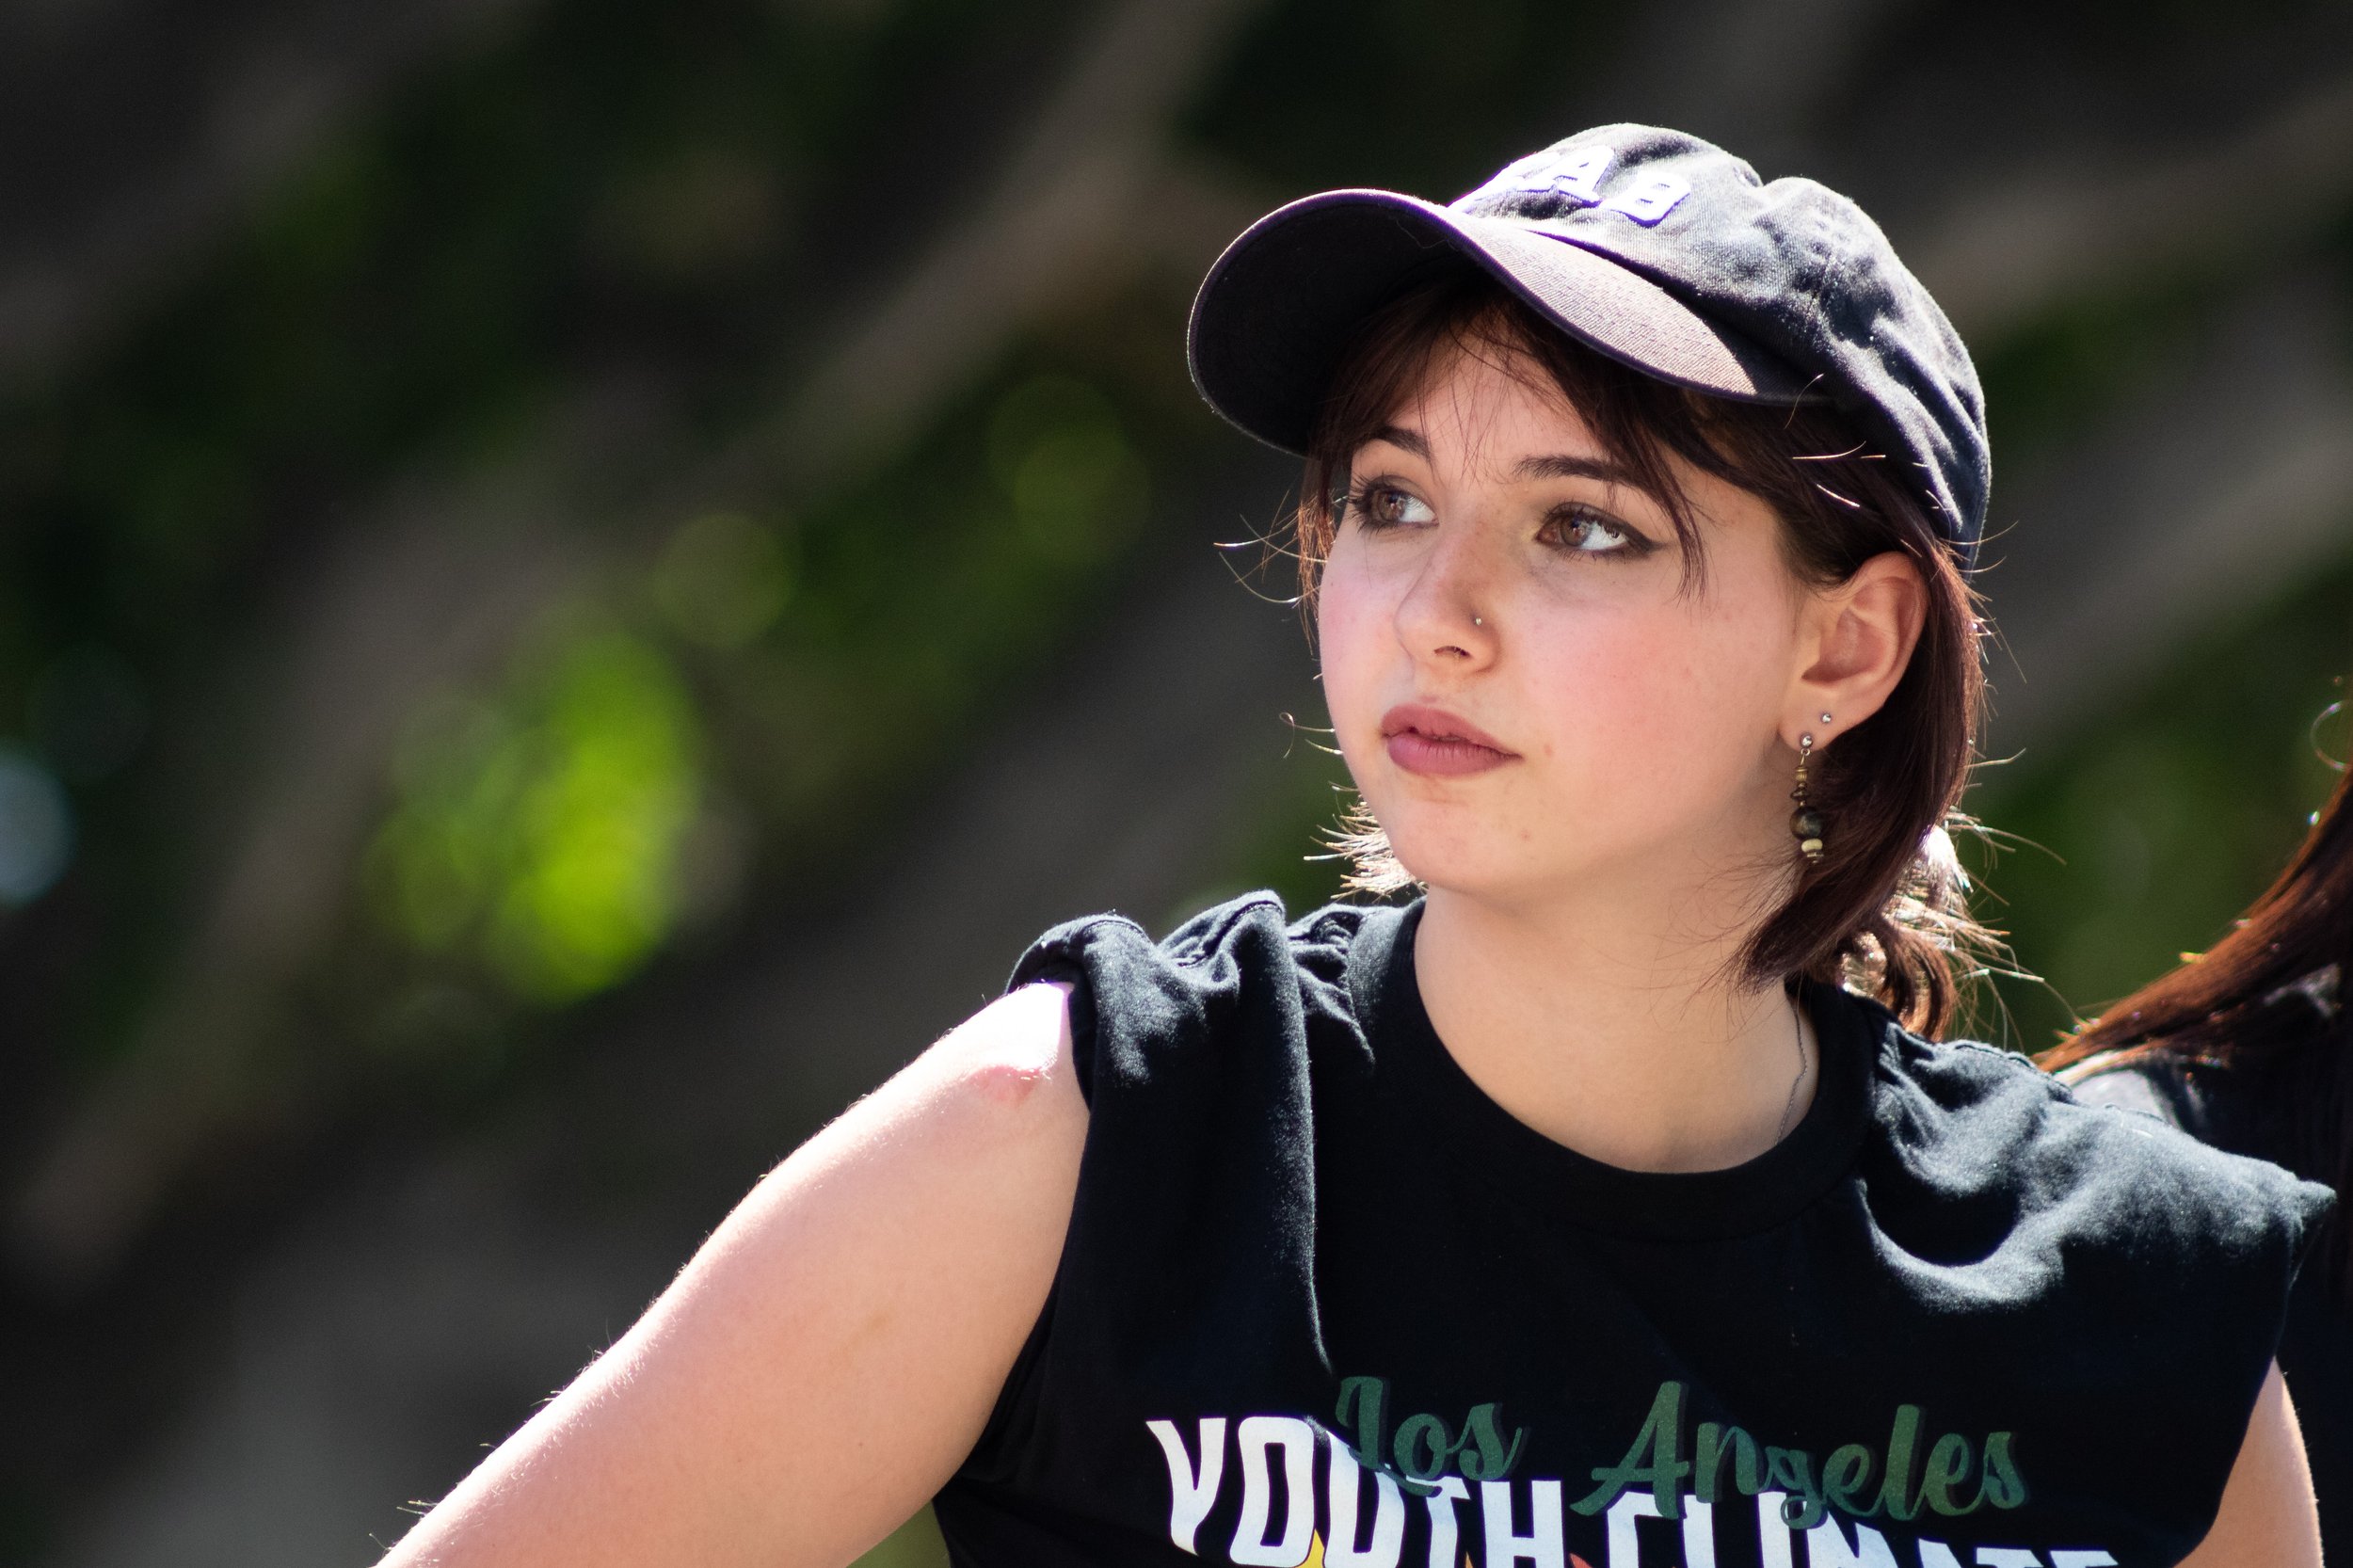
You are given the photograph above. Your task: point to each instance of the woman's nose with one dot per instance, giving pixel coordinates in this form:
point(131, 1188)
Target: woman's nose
point(1445, 616)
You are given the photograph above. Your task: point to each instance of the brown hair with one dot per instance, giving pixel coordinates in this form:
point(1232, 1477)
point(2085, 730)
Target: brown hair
point(1881, 912)
point(2266, 1000)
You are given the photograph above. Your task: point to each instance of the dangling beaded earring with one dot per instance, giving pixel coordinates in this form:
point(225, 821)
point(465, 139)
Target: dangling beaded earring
point(1805, 824)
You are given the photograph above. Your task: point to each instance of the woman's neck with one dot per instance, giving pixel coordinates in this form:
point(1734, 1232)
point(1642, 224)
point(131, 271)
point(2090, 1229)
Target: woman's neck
point(1619, 1037)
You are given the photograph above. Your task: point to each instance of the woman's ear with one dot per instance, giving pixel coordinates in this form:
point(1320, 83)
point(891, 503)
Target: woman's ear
point(1860, 634)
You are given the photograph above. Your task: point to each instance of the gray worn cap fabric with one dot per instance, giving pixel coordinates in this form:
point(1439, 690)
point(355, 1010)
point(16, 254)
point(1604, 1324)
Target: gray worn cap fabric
point(1653, 247)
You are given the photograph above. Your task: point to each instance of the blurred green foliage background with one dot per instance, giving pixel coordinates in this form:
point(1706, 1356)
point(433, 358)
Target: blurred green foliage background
point(578, 578)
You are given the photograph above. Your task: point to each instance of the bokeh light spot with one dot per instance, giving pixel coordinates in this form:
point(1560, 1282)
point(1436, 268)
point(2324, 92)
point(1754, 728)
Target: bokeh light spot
point(723, 580)
point(1056, 448)
point(36, 829)
point(544, 831)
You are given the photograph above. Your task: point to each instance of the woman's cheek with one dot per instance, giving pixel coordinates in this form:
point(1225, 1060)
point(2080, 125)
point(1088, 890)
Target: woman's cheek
point(1607, 684)
point(1347, 647)
point(1624, 734)
point(1689, 738)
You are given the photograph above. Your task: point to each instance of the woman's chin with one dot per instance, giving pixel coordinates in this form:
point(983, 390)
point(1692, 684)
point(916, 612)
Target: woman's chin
point(1482, 870)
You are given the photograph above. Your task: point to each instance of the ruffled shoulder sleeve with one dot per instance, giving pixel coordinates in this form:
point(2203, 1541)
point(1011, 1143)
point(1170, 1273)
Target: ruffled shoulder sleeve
point(1146, 1014)
point(1196, 1195)
point(2153, 1269)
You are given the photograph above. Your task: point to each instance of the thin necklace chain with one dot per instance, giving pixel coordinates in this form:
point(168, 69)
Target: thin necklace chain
point(1797, 1021)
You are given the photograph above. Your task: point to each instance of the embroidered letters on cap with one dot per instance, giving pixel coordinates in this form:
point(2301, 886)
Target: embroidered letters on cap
point(1579, 179)
point(1648, 199)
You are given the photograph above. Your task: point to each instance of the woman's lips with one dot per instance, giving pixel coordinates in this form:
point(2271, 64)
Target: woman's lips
point(1432, 741)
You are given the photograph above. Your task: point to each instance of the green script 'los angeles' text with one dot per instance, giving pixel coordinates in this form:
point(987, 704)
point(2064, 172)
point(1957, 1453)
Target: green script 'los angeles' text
point(1952, 1476)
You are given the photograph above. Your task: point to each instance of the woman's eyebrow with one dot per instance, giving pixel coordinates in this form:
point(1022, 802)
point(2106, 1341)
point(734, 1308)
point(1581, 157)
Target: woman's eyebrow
point(1403, 439)
point(1551, 466)
point(1562, 466)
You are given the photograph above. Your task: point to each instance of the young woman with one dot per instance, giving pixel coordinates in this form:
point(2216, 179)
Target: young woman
point(2249, 1048)
point(1596, 1207)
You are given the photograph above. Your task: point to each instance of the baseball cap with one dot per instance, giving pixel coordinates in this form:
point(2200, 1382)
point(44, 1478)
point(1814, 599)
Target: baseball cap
point(1652, 247)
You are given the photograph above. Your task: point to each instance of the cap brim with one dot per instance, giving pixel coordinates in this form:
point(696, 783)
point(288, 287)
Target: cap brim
point(1280, 307)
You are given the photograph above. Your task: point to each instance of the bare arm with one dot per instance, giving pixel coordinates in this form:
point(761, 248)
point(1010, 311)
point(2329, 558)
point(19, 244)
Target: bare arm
point(2268, 1518)
point(824, 1362)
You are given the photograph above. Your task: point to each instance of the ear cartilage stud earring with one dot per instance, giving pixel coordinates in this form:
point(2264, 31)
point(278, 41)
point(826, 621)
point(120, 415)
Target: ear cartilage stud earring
point(1826, 718)
point(1805, 824)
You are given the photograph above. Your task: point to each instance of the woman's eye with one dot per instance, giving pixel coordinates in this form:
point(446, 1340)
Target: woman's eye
point(1591, 534)
point(1386, 506)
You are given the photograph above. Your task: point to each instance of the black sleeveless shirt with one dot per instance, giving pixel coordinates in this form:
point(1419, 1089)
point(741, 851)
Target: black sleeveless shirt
point(1323, 1303)
point(2240, 1109)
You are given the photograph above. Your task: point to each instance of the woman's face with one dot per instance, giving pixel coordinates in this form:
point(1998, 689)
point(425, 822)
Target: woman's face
point(1529, 695)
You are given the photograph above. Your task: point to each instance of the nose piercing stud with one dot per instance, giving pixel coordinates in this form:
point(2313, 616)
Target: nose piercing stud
point(1478, 620)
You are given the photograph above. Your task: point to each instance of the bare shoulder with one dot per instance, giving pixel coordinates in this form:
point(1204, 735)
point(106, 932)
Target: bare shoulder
point(828, 1357)
point(1013, 1055)
point(972, 1150)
